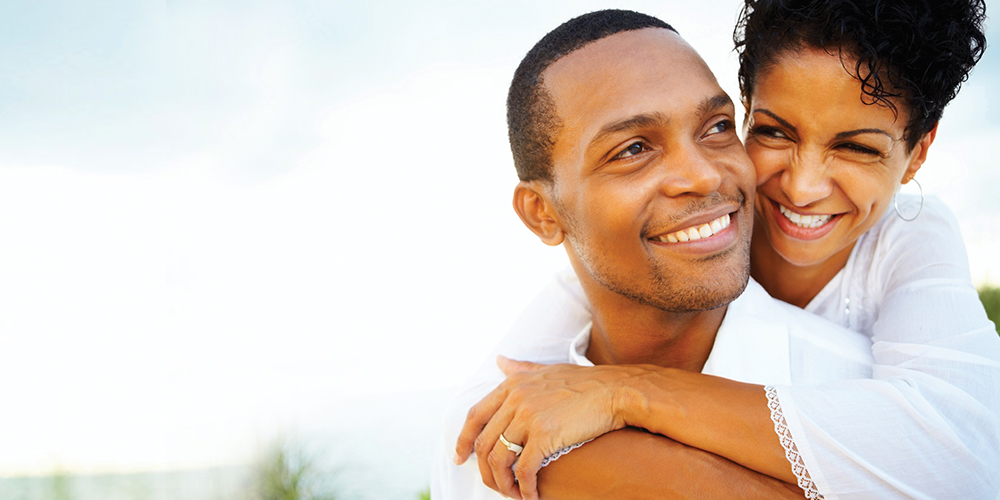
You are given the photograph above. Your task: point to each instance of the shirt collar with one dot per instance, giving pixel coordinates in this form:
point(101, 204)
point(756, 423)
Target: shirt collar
point(578, 347)
point(751, 345)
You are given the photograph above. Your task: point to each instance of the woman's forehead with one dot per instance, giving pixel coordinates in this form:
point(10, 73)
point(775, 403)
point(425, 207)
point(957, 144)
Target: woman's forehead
point(818, 84)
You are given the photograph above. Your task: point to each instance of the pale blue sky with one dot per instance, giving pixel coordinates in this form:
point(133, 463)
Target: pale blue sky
point(286, 202)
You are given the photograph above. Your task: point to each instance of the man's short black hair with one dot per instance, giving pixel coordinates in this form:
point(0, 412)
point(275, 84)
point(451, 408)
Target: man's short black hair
point(531, 118)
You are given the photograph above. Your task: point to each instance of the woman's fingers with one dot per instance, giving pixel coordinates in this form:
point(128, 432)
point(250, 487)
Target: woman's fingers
point(511, 366)
point(488, 440)
point(526, 471)
point(500, 461)
point(476, 419)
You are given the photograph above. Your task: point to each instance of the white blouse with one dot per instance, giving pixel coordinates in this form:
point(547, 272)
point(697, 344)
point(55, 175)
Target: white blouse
point(927, 425)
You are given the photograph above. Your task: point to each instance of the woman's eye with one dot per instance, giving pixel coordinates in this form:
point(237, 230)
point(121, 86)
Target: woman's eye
point(632, 150)
point(768, 133)
point(857, 148)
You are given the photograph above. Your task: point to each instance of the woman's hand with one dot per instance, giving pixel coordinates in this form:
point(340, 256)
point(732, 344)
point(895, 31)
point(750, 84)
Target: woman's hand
point(542, 408)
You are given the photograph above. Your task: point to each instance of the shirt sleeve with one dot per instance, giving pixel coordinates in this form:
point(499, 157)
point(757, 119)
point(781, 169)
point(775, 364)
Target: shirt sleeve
point(928, 424)
point(542, 334)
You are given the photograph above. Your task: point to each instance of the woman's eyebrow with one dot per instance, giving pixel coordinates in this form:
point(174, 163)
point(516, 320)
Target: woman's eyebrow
point(839, 136)
point(777, 119)
point(852, 133)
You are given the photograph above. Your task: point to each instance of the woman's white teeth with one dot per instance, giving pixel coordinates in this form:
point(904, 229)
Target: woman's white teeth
point(807, 221)
point(697, 232)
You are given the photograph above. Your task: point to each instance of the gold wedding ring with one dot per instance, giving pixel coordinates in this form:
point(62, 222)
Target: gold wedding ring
point(516, 448)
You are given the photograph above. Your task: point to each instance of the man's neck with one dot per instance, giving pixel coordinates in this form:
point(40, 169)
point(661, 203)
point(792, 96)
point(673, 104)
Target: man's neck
point(627, 332)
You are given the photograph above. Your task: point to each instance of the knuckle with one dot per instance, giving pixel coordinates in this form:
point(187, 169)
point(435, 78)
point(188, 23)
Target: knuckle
point(521, 470)
point(472, 413)
point(493, 460)
point(548, 426)
point(516, 394)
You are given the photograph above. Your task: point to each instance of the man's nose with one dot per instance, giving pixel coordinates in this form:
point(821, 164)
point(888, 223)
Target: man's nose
point(691, 172)
point(806, 180)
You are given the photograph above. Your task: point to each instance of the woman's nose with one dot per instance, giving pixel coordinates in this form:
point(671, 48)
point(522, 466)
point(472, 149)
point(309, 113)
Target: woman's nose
point(806, 180)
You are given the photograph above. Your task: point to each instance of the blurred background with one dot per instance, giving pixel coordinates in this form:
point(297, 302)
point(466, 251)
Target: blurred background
point(242, 238)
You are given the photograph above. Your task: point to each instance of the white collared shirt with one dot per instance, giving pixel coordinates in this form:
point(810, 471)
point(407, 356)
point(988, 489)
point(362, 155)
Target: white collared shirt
point(926, 423)
point(761, 341)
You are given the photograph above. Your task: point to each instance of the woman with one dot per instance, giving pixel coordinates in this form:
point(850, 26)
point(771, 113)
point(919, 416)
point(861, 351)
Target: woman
point(842, 100)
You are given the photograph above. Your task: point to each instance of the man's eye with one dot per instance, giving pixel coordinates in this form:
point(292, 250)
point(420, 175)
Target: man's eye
point(632, 150)
point(720, 127)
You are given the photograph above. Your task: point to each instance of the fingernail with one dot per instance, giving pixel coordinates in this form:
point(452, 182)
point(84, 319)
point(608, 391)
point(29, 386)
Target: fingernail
point(457, 459)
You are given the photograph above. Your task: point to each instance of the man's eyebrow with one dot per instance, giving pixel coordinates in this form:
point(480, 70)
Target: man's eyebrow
point(630, 123)
point(714, 103)
point(657, 119)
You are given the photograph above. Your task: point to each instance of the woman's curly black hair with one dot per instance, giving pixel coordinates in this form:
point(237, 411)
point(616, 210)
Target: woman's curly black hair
point(918, 50)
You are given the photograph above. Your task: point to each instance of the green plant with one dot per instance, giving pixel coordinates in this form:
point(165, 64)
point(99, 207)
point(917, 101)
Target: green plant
point(61, 487)
point(990, 296)
point(424, 495)
point(286, 472)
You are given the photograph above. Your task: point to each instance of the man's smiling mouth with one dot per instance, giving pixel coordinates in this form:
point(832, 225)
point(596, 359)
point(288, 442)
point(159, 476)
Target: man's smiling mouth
point(696, 232)
point(804, 221)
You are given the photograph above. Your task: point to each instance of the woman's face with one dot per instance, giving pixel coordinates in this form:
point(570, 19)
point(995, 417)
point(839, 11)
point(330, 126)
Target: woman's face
point(827, 164)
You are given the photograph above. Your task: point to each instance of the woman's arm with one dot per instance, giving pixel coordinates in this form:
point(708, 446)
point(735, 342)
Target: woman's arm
point(928, 425)
point(548, 407)
point(649, 466)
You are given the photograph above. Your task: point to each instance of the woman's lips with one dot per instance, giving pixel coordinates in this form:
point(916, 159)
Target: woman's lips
point(803, 227)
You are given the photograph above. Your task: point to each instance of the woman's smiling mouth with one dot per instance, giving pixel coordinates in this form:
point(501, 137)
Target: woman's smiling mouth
point(805, 221)
point(801, 226)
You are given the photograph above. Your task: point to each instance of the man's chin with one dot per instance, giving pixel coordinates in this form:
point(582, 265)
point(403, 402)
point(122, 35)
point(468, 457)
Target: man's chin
point(705, 297)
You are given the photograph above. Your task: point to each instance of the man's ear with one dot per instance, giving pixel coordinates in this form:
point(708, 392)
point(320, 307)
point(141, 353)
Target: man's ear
point(919, 154)
point(538, 213)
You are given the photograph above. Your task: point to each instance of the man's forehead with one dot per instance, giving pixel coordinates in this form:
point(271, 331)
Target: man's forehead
point(616, 53)
point(647, 72)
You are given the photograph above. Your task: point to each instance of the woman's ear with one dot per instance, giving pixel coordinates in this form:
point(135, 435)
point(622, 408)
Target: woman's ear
point(538, 213)
point(919, 154)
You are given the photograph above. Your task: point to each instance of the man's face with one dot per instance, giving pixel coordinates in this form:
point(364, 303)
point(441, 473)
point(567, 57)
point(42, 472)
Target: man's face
point(652, 186)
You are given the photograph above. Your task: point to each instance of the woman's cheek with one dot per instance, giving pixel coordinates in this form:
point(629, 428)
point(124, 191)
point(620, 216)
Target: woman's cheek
point(766, 162)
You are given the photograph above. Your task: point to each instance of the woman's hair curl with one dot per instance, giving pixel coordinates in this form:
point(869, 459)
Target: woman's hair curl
point(919, 51)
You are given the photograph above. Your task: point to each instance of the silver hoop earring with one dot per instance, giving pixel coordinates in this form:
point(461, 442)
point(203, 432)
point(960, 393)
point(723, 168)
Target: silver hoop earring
point(896, 206)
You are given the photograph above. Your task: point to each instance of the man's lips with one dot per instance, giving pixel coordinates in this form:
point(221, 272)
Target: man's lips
point(696, 232)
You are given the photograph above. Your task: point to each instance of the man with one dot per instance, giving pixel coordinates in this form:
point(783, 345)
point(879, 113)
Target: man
point(628, 157)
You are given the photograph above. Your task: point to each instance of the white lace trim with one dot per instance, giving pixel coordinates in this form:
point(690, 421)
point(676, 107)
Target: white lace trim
point(562, 451)
point(555, 456)
point(791, 451)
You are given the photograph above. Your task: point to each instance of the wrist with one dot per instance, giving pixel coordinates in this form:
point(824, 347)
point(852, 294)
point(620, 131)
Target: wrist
point(634, 397)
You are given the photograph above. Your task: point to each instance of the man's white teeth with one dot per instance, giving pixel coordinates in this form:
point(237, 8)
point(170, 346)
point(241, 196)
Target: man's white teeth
point(697, 232)
point(807, 221)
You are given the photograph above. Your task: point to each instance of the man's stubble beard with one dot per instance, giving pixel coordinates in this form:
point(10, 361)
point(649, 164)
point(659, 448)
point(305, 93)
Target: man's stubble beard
point(664, 292)
point(715, 290)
